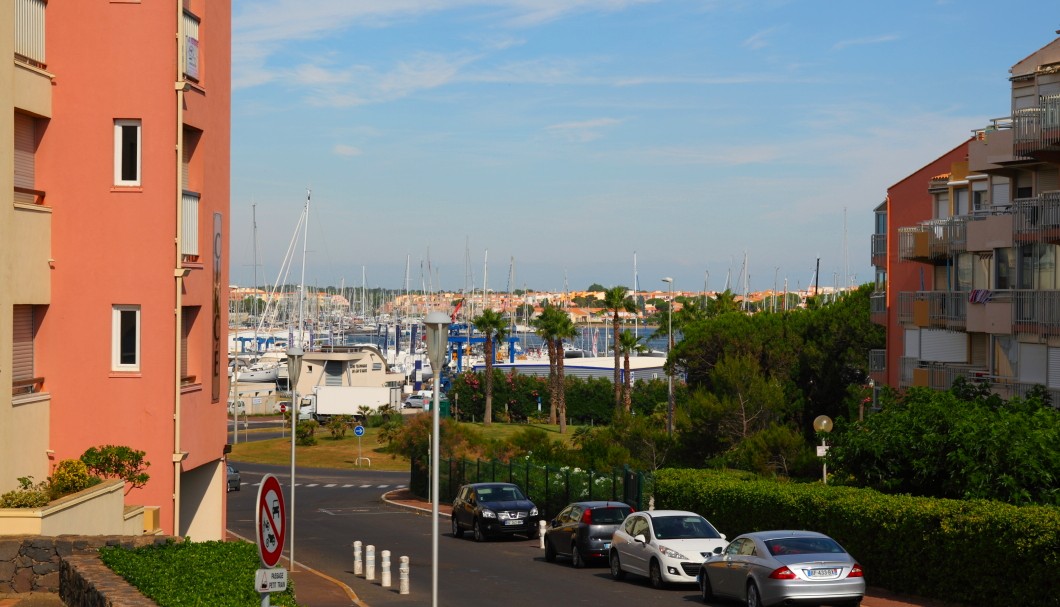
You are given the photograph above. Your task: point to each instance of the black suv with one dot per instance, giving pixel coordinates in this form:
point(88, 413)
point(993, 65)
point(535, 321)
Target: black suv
point(489, 509)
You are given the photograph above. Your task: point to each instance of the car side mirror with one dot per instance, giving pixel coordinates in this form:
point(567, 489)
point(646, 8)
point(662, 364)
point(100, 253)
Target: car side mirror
point(639, 538)
point(723, 536)
point(718, 550)
point(555, 523)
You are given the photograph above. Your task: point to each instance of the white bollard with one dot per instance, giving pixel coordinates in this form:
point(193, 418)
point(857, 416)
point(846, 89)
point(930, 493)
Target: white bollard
point(384, 572)
point(369, 562)
point(358, 564)
point(403, 575)
point(541, 533)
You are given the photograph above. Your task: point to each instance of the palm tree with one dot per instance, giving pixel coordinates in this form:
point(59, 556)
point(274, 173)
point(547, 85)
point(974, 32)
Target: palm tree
point(492, 325)
point(546, 325)
point(564, 329)
point(616, 299)
point(628, 343)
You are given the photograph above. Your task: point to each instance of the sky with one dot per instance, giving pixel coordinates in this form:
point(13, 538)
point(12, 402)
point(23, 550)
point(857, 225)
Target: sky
point(553, 144)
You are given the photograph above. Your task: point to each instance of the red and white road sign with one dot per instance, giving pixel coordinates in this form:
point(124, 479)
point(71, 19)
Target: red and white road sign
point(270, 520)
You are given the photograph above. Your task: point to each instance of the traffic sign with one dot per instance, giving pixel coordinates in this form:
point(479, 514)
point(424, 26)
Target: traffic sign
point(270, 580)
point(358, 430)
point(270, 520)
point(283, 408)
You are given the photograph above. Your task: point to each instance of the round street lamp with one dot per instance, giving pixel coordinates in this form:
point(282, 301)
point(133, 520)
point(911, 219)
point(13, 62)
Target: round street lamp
point(437, 324)
point(823, 425)
point(294, 369)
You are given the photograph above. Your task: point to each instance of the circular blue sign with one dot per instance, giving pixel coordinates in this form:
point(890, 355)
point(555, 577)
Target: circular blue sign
point(358, 430)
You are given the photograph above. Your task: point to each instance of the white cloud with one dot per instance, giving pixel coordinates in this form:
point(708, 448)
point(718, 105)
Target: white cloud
point(759, 39)
point(842, 44)
point(582, 131)
point(342, 149)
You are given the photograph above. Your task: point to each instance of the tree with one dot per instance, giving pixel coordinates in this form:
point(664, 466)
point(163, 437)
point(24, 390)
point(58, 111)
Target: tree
point(616, 300)
point(627, 343)
point(493, 326)
point(565, 329)
point(546, 325)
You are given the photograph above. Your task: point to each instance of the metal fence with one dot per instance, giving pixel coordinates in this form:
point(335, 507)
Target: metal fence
point(551, 488)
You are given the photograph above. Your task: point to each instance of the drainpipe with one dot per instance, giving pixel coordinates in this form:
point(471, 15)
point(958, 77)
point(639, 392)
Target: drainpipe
point(179, 272)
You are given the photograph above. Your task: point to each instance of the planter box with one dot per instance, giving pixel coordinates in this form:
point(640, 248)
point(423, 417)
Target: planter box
point(98, 510)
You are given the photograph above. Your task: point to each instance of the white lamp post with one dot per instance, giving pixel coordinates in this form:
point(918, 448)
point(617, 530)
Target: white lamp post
point(437, 324)
point(294, 369)
point(670, 374)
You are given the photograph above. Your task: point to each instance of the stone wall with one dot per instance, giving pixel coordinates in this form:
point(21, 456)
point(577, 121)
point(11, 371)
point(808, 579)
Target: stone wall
point(69, 566)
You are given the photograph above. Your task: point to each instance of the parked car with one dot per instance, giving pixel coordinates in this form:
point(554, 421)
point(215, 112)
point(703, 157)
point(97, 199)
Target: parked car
point(583, 531)
point(778, 567)
point(234, 480)
point(416, 401)
point(490, 509)
point(668, 546)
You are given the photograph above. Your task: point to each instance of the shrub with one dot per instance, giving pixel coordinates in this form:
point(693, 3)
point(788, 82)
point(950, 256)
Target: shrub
point(70, 476)
point(28, 495)
point(306, 433)
point(115, 461)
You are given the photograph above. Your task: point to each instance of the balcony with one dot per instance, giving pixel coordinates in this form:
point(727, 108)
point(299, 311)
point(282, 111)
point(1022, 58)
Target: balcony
point(934, 240)
point(990, 312)
point(1037, 219)
point(1036, 312)
point(1036, 130)
point(878, 307)
point(940, 376)
point(991, 147)
point(934, 309)
point(29, 32)
point(878, 365)
point(31, 242)
point(879, 250)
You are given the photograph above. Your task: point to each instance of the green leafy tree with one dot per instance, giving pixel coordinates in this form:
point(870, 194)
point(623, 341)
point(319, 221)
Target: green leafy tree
point(493, 327)
point(627, 344)
point(616, 301)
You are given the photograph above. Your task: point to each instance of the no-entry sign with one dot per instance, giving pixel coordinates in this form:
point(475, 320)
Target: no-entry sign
point(270, 521)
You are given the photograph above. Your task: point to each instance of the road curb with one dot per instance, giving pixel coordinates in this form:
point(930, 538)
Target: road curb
point(386, 498)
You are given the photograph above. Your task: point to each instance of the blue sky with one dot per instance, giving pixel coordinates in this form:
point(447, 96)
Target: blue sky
point(572, 135)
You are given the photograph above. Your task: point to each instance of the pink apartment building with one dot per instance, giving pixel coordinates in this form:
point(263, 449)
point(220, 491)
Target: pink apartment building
point(114, 244)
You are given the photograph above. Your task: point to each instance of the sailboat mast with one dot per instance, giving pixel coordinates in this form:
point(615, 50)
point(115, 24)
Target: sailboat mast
point(636, 317)
point(301, 285)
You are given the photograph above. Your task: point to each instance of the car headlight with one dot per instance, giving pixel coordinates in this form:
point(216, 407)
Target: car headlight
point(671, 553)
point(488, 513)
point(533, 511)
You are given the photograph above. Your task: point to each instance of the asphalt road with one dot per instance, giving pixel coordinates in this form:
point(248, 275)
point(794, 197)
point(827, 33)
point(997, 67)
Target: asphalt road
point(333, 508)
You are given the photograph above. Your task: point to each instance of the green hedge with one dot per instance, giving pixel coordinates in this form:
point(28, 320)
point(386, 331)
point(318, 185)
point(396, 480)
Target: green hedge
point(981, 553)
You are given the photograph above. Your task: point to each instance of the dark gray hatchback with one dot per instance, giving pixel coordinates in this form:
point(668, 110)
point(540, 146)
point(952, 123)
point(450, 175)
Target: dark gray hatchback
point(583, 531)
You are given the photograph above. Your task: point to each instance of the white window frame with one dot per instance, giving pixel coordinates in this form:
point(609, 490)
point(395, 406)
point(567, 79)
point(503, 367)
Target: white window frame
point(119, 152)
point(116, 338)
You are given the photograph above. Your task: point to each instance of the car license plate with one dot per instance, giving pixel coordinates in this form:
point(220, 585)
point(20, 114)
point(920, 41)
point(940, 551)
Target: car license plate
point(513, 522)
point(822, 573)
point(607, 545)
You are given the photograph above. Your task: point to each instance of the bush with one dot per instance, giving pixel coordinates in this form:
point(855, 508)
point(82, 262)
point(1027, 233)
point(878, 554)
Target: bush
point(306, 433)
point(70, 476)
point(115, 461)
point(28, 495)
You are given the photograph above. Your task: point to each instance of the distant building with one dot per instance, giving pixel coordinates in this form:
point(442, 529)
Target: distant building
point(114, 245)
point(966, 252)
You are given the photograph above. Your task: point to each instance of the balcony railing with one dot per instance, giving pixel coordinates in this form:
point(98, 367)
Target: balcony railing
point(879, 250)
point(877, 361)
point(1038, 219)
point(905, 377)
point(21, 387)
point(1036, 312)
point(940, 309)
point(936, 239)
point(29, 31)
point(878, 307)
point(1037, 128)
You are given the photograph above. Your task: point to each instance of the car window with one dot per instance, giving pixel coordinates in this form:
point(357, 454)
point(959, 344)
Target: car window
point(804, 545)
point(747, 548)
point(574, 514)
point(642, 527)
point(564, 515)
point(631, 522)
point(734, 547)
point(609, 515)
point(684, 527)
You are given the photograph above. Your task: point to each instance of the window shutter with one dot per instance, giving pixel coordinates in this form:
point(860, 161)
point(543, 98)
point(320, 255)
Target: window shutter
point(25, 151)
point(1048, 180)
point(999, 194)
point(912, 343)
point(185, 162)
point(943, 346)
point(1032, 363)
point(185, 330)
point(1054, 368)
point(22, 359)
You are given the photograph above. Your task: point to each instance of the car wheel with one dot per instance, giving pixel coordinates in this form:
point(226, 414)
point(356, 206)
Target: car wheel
point(655, 575)
point(550, 551)
point(479, 533)
point(576, 560)
point(705, 589)
point(616, 566)
point(753, 599)
point(457, 531)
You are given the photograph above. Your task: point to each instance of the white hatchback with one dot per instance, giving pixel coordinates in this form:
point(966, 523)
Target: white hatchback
point(667, 546)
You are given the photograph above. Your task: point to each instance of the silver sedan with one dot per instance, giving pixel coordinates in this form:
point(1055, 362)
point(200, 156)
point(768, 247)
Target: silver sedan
point(783, 567)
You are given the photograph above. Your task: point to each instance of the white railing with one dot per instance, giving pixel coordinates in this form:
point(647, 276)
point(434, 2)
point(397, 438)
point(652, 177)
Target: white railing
point(189, 229)
point(29, 31)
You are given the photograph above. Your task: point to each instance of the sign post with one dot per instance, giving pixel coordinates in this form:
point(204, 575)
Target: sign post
point(359, 431)
point(270, 529)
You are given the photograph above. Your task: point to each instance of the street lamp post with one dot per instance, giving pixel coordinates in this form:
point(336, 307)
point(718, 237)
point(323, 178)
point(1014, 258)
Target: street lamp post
point(669, 348)
point(294, 369)
point(437, 324)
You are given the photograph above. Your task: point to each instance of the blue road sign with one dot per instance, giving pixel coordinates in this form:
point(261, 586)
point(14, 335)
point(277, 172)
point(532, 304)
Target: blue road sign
point(358, 430)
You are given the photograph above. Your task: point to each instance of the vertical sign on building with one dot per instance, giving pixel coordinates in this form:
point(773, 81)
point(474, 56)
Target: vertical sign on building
point(215, 370)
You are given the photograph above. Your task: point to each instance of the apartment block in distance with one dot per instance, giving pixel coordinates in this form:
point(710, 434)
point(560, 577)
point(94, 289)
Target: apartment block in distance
point(967, 249)
point(114, 167)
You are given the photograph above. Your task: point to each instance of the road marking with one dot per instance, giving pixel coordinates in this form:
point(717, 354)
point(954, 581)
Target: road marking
point(365, 486)
point(382, 486)
point(346, 486)
point(312, 485)
point(331, 485)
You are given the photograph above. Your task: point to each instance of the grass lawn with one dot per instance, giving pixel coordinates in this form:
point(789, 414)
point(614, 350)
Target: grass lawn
point(342, 453)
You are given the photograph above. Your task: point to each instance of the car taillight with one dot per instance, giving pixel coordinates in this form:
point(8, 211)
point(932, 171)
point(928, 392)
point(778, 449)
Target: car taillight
point(587, 517)
point(856, 571)
point(782, 574)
